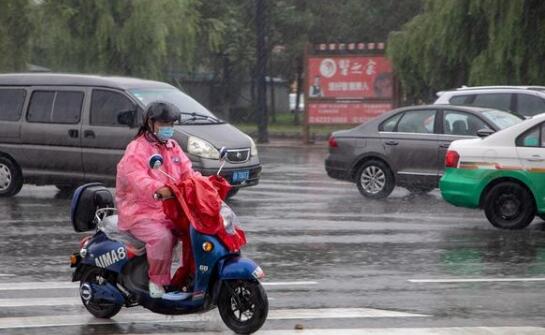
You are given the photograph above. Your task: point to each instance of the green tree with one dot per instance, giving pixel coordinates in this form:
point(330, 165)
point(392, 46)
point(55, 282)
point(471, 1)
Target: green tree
point(291, 25)
point(126, 37)
point(15, 30)
point(470, 42)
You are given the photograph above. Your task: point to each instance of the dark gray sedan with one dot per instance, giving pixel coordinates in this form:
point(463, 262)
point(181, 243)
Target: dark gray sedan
point(406, 147)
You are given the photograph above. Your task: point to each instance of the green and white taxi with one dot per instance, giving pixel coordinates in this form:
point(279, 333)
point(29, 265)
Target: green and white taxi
point(504, 174)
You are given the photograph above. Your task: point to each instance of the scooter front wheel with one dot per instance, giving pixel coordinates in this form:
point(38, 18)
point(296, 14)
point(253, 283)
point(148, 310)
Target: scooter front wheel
point(103, 310)
point(243, 305)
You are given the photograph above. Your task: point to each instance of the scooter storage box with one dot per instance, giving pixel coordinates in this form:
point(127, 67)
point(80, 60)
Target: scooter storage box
point(85, 202)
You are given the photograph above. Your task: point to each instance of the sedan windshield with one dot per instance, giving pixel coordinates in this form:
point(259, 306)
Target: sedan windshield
point(185, 103)
point(502, 119)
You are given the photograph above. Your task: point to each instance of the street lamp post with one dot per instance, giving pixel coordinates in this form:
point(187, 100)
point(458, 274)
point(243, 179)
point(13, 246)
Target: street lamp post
point(261, 71)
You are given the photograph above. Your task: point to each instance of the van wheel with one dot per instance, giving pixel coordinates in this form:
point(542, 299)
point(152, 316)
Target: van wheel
point(11, 178)
point(508, 205)
point(375, 180)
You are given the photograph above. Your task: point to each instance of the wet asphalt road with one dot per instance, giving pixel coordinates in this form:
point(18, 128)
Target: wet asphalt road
point(305, 227)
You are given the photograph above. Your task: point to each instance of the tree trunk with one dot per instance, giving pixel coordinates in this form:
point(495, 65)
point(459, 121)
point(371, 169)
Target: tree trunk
point(273, 101)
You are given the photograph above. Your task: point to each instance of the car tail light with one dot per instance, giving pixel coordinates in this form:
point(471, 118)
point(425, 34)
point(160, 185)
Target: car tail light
point(332, 142)
point(451, 159)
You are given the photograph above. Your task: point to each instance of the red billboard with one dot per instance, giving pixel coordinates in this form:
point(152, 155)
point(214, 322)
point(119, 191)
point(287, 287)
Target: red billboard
point(349, 77)
point(346, 112)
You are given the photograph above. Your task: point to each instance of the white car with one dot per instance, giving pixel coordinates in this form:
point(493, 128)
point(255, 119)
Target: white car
point(526, 101)
point(504, 174)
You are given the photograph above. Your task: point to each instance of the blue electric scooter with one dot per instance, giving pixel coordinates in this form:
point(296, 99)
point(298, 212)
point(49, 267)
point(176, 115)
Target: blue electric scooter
point(112, 269)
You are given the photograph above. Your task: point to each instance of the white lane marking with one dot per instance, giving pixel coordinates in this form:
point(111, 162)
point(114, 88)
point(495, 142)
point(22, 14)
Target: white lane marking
point(475, 280)
point(290, 283)
point(337, 313)
point(37, 286)
point(63, 285)
point(395, 331)
point(34, 205)
point(49, 221)
point(148, 317)
point(35, 302)
point(41, 302)
point(7, 275)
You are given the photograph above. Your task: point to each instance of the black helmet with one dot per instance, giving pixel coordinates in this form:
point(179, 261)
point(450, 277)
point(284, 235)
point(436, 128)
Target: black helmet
point(161, 111)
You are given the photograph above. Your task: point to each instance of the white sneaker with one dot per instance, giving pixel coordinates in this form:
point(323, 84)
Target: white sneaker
point(156, 291)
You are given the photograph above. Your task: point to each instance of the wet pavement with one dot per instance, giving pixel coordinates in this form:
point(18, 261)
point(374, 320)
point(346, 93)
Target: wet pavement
point(333, 260)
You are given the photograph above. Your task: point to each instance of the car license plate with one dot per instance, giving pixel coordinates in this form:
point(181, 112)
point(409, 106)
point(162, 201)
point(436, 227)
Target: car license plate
point(240, 176)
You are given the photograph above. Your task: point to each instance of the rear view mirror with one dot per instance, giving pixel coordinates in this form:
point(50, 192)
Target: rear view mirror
point(127, 118)
point(485, 132)
point(223, 153)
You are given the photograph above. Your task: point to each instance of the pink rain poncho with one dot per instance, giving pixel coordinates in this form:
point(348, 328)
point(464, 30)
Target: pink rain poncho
point(139, 213)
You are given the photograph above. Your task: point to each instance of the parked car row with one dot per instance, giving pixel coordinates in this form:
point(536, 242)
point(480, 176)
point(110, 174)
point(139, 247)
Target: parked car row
point(474, 143)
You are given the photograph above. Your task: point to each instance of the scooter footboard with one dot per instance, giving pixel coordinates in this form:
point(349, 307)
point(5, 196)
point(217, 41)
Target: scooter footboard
point(240, 268)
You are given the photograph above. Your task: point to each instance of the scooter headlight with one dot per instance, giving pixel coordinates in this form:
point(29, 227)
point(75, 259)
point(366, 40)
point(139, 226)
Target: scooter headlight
point(199, 147)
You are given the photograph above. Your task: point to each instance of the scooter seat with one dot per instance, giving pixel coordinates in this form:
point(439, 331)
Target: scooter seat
point(108, 225)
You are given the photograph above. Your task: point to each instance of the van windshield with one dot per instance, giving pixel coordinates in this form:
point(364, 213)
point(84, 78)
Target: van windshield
point(185, 103)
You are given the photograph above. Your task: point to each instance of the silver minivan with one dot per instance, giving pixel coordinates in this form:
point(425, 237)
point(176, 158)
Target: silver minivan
point(66, 129)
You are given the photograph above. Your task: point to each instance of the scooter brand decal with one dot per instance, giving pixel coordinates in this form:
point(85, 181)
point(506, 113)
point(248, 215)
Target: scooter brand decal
point(203, 268)
point(111, 257)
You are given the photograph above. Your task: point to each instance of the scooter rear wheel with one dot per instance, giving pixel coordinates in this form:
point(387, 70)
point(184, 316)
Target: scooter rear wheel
point(243, 305)
point(103, 310)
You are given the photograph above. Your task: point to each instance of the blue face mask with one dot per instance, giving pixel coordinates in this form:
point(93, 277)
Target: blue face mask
point(165, 133)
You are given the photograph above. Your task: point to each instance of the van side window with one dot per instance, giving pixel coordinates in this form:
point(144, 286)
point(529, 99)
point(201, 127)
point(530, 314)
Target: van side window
point(11, 104)
point(55, 107)
point(106, 105)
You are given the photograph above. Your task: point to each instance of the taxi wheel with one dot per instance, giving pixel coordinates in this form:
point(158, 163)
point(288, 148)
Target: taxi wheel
point(375, 180)
point(509, 205)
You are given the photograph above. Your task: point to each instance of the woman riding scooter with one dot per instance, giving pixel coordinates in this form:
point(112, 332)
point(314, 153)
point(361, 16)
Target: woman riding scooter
point(138, 188)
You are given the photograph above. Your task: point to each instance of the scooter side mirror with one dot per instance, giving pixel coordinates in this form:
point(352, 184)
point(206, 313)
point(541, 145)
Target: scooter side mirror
point(156, 161)
point(223, 153)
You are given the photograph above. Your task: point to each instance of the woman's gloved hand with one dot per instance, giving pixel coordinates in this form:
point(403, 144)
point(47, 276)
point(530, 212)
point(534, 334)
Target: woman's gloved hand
point(163, 193)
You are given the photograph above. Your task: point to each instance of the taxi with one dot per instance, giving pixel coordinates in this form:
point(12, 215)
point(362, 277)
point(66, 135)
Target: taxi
point(503, 174)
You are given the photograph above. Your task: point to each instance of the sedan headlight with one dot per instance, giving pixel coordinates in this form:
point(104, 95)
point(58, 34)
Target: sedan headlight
point(253, 147)
point(201, 148)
